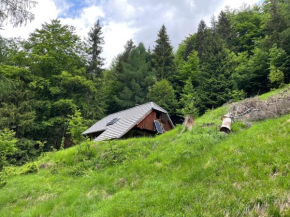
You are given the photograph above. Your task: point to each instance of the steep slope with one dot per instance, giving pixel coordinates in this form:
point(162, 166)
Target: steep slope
point(198, 173)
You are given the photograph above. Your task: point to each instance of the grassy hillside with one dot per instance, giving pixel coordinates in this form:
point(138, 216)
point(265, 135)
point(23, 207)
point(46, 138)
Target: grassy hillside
point(198, 173)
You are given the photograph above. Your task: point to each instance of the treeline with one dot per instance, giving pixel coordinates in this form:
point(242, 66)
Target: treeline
point(53, 84)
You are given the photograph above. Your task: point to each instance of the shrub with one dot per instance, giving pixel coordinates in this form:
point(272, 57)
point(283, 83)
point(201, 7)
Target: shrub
point(7, 146)
point(76, 127)
point(30, 168)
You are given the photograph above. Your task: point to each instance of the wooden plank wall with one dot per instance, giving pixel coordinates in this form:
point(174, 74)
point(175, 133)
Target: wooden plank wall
point(148, 124)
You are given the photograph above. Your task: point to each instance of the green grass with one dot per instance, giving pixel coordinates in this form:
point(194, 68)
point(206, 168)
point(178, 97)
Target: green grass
point(273, 92)
point(197, 173)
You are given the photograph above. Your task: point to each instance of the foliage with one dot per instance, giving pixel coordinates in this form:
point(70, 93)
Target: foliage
point(76, 127)
point(189, 69)
point(163, 94)
point(162, 57)
point(189, 100)
point(278, 61)
point(29, 168)
point(7, 146)
point(94, 49)
point(135, 79)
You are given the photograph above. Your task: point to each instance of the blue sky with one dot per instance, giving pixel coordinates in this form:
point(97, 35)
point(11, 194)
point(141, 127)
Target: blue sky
point(122, 20)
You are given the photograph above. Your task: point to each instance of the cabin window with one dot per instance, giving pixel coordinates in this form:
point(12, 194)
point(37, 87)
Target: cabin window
point(158, 115)
point(114, 120)
point(164, 117)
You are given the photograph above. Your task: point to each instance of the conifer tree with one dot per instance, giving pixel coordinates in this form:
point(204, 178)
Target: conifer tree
point(124, 57)
point(224, 28)
point(190, 45)
point(133, 83)
point(94, 44)
point(216, 84)
point(276, 23)
point(189, 100)
point(163, 58)
point(201, 39)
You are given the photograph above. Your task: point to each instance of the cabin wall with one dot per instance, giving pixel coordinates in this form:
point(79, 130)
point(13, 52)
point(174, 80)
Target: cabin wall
point(148, 124)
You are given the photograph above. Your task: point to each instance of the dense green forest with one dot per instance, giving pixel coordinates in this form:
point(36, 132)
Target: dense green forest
point(53, 84)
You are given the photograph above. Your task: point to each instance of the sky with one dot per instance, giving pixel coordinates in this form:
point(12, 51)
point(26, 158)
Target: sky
point(122, 20)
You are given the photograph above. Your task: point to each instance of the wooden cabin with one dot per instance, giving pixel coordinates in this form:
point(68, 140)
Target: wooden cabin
point(142, 120)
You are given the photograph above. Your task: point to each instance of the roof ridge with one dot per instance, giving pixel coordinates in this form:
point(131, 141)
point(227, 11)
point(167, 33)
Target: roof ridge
point(129, 108)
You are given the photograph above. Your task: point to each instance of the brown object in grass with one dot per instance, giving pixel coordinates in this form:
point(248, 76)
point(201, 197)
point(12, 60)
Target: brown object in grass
point(189, 122)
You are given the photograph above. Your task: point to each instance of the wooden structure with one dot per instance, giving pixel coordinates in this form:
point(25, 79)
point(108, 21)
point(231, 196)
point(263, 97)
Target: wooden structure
point(142, 120)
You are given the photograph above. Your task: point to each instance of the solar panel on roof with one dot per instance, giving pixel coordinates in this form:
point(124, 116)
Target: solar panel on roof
point(114, 120)
point(158, 126)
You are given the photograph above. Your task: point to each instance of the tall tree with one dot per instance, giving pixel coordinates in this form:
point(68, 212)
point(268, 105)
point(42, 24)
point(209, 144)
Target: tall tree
point(94, 44)
point(201, 41)
point(163, 58)
point(135, 79)
point(276, 23)
point(248, 29)
point(124, 57)
point(224, 28)
point(278, 60)
point(189, 100)
point(54, 56)
point(215, 83)
point(54, 48)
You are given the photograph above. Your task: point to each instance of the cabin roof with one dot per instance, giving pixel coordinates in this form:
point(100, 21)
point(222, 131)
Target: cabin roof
point(127, 119)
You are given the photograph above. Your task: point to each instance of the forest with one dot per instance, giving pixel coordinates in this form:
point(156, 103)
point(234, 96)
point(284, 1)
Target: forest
point(54, 84)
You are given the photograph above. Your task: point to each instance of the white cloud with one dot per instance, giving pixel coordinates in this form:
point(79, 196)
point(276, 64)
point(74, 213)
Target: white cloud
point(127, 19)
point(116, 35)
point(83, 23)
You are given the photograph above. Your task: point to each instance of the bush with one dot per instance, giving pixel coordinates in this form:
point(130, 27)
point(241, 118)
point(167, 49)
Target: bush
point(86, 150)
point(7, 146)
point(30, 168)
point(77, 127)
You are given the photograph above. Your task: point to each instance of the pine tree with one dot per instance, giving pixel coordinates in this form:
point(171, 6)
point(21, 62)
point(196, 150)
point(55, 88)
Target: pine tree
point(216, 84)
point(190, 45)
point(224, 28)
point(163, 58)
point(202, 39)
point(276, 22)
point(124, 57)
point(133, 83)
point(189, 100)
point(94, 44)
point(213, 23)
